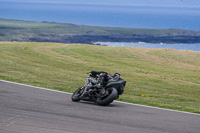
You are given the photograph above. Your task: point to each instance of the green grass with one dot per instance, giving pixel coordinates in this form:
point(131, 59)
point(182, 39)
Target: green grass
point(157, 77)
point(46, 28)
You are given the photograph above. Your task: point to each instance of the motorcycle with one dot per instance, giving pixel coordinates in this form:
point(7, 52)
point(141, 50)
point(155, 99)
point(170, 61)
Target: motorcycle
point(103, 94)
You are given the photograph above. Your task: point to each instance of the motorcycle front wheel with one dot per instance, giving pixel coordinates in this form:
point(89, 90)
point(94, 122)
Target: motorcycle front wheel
point(112, 95)
point(76, 96)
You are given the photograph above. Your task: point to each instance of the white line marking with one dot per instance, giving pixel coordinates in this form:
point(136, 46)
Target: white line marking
point(35, 87)
point(11, 123)
point(114, 101)
point(157, 108)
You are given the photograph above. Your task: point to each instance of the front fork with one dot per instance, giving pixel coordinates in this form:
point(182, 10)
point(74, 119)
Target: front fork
point(84, 91)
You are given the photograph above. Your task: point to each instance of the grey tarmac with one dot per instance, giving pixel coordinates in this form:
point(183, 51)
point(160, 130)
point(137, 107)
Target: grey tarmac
point(26, 109)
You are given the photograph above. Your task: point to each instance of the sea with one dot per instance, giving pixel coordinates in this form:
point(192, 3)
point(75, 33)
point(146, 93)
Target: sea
point(181, 46)
point(125, 16)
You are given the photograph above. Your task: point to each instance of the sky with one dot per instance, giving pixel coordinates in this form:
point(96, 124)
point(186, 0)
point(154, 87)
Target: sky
point(160, 3)
point(181, 14)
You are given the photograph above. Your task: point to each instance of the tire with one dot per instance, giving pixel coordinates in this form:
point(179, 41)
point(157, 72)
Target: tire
point(113, 95)
point(76, 96)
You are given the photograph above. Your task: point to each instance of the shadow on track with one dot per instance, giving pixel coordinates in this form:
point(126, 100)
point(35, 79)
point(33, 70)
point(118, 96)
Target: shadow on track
point(94, 104)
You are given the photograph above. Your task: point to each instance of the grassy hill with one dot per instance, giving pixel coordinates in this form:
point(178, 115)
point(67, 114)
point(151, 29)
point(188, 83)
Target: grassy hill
point(14, 30)
point(158, 77)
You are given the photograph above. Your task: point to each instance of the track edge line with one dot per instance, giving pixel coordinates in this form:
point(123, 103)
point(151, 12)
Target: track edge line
point(114, 101)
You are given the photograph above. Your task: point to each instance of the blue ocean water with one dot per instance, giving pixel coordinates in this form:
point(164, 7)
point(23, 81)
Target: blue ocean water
point(104, 15)
point(193, 47)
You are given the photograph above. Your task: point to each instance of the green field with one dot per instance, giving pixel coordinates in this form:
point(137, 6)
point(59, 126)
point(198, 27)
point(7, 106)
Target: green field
point(47, 28)
point(28, 31)
point(157, 77)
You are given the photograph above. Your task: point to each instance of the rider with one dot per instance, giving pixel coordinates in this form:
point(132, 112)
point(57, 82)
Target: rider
point(97, 78)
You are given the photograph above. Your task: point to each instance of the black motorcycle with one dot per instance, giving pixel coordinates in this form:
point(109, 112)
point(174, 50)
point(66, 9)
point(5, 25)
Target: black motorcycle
point(102, 94)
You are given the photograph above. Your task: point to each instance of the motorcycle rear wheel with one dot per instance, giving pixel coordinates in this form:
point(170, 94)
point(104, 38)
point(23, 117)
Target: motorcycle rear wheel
point(113, 94)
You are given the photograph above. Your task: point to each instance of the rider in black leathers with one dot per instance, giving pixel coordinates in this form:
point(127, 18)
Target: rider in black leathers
point(95, 80)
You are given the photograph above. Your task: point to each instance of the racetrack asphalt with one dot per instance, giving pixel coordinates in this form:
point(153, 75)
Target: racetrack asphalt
point(26, 109)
